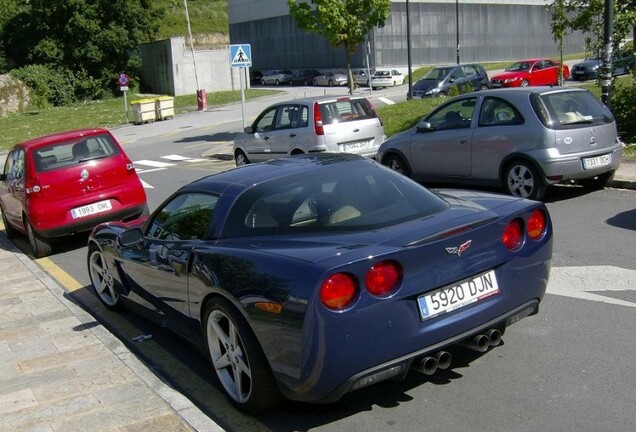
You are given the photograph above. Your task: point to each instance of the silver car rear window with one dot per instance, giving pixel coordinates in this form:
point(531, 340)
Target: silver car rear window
point(570, 110)
point(344, 110)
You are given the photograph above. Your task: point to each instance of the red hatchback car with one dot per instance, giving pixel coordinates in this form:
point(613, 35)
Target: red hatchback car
point(531, 72)
point(67, 183)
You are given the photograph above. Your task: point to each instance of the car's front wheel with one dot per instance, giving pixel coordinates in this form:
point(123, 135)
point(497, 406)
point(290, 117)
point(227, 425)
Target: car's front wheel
point(102, 279)
point(40, 246)
point(524, 83)
point(241, 158)
point(238, 360)
point(315, 82)
point(521, 179)
point(330, 83)
point(598, 182)
point(397, 163)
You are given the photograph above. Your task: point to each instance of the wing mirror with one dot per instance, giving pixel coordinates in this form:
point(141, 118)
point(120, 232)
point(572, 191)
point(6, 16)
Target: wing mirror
point(131, 237)
point(424, 126)
point(249, 129)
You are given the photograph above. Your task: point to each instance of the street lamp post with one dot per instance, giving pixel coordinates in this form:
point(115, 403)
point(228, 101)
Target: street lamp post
point(408, 50)
point(457, 27)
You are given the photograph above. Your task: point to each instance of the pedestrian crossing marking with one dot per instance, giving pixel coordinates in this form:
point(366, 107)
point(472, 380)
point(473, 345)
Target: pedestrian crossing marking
point(178, 158)
point(155, 164)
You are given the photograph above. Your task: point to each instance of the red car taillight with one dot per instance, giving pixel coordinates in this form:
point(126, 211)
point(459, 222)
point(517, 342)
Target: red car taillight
point(338, 291)
point(536, 224)
point(320, 130)
point(513, 235)
point(383, 278)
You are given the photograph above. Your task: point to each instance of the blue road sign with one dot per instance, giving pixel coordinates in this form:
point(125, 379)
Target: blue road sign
point(241, 55)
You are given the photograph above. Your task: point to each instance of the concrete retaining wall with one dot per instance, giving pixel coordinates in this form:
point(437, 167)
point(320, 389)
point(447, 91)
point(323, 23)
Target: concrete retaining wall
point(167, 67)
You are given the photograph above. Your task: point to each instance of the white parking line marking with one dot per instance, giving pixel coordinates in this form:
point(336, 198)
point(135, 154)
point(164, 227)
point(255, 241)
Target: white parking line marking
point(146, 185)
point(387, 101)
point(155, 164)
point(143, 171)
point(589, 283)
point(178, 158)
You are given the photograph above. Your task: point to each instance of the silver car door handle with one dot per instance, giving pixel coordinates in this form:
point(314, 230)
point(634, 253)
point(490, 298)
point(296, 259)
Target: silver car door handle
point(292, 135)
point(356, 130)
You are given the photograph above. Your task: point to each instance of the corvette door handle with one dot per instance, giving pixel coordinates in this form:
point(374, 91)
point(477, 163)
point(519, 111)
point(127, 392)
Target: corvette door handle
point(266, 138)
point(292, 135)
point(462, 141)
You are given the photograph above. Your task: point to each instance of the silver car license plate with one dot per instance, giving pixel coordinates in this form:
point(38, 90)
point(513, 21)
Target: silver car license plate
point(597, 161)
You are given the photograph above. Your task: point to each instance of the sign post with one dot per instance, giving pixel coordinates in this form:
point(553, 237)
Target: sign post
point(123, 80)
point(241, 57)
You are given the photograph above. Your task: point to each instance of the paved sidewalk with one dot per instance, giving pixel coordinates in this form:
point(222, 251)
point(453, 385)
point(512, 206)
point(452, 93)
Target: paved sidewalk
point(60, 370)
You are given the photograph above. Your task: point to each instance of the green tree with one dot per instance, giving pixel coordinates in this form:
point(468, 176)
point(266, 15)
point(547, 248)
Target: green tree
point(95, 39)
point(559, 26)
point(344, 23)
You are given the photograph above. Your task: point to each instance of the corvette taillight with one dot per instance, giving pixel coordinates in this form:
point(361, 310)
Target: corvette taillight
point(513, 235)
point(536, 225)
point(383, 278)
point(318, 127)
point(338, 291)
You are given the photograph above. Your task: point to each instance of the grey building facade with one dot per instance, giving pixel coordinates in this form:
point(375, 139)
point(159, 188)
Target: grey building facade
point(489, 30)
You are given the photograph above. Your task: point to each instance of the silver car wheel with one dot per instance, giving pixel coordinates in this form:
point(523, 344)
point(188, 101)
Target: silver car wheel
point(229, 356)
point(523, 180)
point(241, 159)
point(101, 278)
point(397, 164)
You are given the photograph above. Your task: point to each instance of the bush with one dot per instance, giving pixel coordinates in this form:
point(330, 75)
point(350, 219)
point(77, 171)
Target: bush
point(624, 108)
point(48, 84)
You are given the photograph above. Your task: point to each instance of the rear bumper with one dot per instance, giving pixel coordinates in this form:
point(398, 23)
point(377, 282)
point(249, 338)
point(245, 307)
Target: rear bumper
point(570, 167)
point(87, 224)
point(400, 366)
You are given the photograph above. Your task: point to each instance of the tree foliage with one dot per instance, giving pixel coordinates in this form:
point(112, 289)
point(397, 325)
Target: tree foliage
point(94, 39)
point(587, 16)
point(344, 23)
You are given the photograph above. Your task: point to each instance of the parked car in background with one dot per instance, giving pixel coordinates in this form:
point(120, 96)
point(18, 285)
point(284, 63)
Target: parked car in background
point(304, 77)
point(331, 79)
point(255, 76)
point(360, 77)
point(277, 77)
point(313, 125)
point(440, 80)
point(312, 276)
point(521, 139)
point(67, 183)
point(586, 70)
point(386, 78)
point(530, 72)
point(589, 69)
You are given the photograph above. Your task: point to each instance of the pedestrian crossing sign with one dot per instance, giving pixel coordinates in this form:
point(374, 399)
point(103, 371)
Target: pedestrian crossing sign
point(241, 55)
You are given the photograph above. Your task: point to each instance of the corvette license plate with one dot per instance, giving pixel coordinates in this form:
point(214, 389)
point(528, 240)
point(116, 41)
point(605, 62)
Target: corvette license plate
point(598, 161)
point(90, 209)
point(458, 295)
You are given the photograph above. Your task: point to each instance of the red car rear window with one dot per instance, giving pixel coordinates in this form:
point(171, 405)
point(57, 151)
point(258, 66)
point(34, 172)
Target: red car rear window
point(59, 155)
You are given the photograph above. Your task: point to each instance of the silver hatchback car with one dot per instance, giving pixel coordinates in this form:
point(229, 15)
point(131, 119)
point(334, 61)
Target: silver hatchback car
point(312, 125)
point(523, 139)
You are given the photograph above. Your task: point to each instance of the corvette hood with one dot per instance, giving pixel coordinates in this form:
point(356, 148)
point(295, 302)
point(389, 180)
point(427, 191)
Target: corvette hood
point(467, 209)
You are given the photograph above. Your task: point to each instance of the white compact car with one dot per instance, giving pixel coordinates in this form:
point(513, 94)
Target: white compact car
point(313, 125)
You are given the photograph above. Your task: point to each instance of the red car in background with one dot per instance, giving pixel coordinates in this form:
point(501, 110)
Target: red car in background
point(67, 183)
point(531, 72)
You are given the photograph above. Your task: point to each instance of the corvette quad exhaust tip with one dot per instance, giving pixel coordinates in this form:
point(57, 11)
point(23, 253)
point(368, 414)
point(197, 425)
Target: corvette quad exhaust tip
point(482, 342)
point(428, 365)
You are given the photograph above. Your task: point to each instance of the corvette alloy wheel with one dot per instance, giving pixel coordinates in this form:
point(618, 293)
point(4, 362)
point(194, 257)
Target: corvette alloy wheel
point(238, 360)
point(102, 279)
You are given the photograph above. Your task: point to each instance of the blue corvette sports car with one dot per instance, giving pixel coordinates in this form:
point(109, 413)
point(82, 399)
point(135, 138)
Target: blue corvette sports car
point(311, 276)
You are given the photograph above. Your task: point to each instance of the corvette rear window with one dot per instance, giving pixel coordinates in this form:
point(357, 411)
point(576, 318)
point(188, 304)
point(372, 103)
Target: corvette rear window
point(343, 197)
